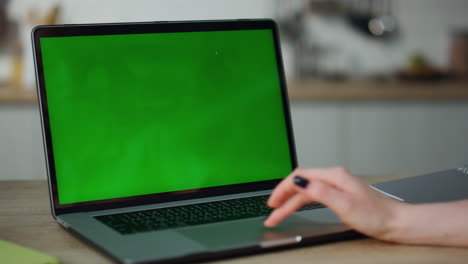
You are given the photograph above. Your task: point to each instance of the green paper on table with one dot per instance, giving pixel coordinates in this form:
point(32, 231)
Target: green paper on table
point(13, 253)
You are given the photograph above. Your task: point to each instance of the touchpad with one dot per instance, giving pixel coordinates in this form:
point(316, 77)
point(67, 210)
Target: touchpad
point(251, 232)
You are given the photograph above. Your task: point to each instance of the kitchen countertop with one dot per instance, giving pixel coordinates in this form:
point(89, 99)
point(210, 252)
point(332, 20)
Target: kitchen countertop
point(12, 95)
point(320, 91)
point(367, 90)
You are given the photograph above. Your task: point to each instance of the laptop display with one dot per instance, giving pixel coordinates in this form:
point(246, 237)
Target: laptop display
point(137, 114)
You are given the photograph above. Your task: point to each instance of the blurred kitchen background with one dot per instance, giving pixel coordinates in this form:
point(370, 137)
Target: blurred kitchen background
point(378, 86)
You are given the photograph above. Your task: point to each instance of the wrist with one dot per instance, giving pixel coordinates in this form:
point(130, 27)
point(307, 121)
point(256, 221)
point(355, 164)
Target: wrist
point(397, 226)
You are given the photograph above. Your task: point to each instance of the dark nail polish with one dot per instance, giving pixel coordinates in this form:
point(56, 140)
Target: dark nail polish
point(301, 182)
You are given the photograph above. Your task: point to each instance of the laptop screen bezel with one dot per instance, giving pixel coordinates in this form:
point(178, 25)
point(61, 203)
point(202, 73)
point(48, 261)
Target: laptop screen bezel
point(142, 28)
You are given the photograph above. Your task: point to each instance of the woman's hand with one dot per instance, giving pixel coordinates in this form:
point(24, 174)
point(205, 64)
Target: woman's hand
point(369, 211)
point(358, 205)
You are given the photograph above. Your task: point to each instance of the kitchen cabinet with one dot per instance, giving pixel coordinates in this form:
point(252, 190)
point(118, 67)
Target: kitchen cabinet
point(21, 151)
point(371, 128)
point(382, 138)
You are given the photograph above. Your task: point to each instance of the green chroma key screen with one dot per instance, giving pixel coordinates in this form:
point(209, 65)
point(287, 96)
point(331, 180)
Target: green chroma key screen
point(150, 113)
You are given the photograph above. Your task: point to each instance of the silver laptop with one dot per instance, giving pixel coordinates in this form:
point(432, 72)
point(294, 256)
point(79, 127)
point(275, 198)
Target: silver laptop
point(163, 140)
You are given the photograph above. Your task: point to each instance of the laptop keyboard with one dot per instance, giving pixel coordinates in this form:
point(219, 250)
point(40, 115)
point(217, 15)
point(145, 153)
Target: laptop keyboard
point(190, 215)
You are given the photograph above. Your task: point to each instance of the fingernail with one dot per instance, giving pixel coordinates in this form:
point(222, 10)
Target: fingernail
point(301, 182)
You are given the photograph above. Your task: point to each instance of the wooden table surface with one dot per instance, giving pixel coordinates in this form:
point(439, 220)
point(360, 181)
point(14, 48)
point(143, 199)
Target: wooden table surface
point(25, 219)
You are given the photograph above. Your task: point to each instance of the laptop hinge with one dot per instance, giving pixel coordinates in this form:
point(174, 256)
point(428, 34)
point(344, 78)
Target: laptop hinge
point(62, 223)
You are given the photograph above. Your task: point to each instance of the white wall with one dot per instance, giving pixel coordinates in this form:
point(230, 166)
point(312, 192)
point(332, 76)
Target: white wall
point(428, 25)
point(424, 26)
point(90, 11)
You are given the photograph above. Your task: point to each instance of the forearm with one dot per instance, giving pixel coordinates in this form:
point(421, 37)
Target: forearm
point(444, 224)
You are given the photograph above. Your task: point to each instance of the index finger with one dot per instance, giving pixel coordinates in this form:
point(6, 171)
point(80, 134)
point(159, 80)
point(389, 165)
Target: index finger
point(337, 177)
point(283, 191)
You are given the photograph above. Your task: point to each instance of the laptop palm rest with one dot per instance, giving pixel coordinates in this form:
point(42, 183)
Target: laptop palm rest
point(252, 232)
